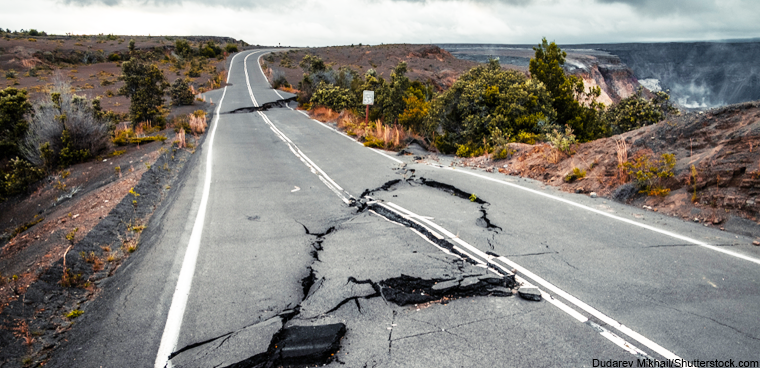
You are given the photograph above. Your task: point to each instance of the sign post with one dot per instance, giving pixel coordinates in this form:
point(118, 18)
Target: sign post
point(369, 99)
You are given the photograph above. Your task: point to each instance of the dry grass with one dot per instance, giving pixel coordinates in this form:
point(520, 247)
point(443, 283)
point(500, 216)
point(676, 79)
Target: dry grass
point(198, 122)
point(181, 138)
point(22, 331)
point(554, 156)
point(386, 137)
point(622, 158)
point(323, 114)
point(290, 90)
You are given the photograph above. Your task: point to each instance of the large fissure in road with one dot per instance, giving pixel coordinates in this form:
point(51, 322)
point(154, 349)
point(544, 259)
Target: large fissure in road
point(300, 336)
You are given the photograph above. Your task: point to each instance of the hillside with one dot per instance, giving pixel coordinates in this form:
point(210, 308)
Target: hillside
point(426, 63)
point(721, 145)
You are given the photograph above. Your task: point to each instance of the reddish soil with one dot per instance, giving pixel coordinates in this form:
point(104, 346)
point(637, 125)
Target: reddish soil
point(95, 78)
point(425, 63)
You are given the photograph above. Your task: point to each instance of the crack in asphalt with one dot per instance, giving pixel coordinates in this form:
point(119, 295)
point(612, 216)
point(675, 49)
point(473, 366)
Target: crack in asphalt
point(532, 254)
point(707, 318)
point(282, 103)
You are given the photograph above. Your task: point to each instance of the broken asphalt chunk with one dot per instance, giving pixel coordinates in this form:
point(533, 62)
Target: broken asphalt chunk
point(312, 345)
point(529, 292)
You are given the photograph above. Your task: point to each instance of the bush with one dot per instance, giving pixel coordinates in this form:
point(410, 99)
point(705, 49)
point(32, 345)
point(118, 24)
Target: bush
point(528, 138)
point(650, 174)
point(562, 141)
point(131, 45)
point(635, 111)
point(209, 50)
point(278, 79)
point(114, 57)
point(65, 128)
point(183, 48)
point(470, 150)
point(180, 93)
point(230, 48)
point(487, 97)
point(20, 177)
point(332, 96)
point(14, 104)
point(575, 175)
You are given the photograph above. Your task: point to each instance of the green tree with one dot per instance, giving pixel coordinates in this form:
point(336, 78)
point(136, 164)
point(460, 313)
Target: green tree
point(483, 99)
point(574, 105)
point(14, 104)
point(180, 93)
point(145, 86)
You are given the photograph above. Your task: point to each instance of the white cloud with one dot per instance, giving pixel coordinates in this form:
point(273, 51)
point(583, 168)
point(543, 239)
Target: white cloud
point(315, 23)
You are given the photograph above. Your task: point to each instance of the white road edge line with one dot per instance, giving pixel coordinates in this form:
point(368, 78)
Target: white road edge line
point(245, 67)
point(170, 336)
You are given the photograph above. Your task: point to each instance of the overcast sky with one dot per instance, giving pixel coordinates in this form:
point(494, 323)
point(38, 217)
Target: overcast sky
point(343, 22)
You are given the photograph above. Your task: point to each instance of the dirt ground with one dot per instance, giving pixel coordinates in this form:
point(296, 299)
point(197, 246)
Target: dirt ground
point(83, 61)
point(425, 63)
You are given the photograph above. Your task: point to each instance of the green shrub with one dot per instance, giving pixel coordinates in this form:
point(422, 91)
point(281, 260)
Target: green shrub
point(10, 74)
point(526, 137)
point(470, 150)
point(650, 173)
point(131, 45)
point(183, 48)
point(575, 175)
point(209, 50)
point(14, 105)
point(332, 96)
point(445, 143)
point(180, 93)
point(487, 97)
point(500, 144)
point(65, 129)
point(562, 141)
point(635, 111)
point(19, 178)
point(114, 57)
point(230, 48)
point(70, 154)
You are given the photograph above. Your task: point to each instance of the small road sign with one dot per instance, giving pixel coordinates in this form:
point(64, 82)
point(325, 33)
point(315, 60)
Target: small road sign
point(369, 98)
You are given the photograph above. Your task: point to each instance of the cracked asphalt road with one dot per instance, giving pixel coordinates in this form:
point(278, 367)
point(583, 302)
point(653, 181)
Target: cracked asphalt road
point(279, 249)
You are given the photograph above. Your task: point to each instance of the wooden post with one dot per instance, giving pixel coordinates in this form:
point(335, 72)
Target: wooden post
point(366, 116)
